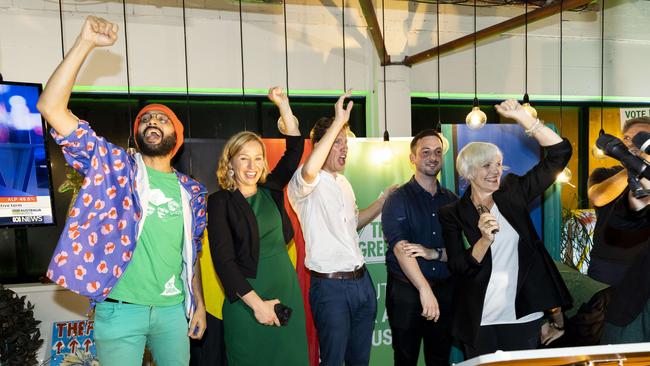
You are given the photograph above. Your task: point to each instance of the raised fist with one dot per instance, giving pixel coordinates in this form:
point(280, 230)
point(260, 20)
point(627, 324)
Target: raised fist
point(99, 32)
point(278, 96)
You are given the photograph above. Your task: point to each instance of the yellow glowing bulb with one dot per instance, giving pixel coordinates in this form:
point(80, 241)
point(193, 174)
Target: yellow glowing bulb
point(383, 154)
point(597, 153)
point(530, 110)
point(476, 118)
point(564, 176)
point(445, 144)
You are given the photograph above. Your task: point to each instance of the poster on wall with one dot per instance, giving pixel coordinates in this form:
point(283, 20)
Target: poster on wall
point(629, 113)
point(73, 343)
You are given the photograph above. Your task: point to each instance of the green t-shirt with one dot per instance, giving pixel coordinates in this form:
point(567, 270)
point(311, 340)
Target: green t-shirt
point(153, 275)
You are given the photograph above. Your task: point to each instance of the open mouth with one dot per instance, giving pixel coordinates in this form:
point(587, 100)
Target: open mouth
point(341, 159)
point(153, 134)
point(250, 175)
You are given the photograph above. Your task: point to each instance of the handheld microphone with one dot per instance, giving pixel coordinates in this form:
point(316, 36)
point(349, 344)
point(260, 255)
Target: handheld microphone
point(642, 141)
point(482, 209)
point(615, 148)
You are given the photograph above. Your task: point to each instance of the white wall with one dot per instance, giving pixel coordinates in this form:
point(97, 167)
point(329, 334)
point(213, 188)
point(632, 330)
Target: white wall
point(30, 49)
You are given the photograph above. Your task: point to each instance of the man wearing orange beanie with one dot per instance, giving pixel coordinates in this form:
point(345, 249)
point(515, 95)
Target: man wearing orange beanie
point(133, 235)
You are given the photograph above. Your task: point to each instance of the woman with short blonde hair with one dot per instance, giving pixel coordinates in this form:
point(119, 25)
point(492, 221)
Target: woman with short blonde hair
point(474, 155)
point(507, 277)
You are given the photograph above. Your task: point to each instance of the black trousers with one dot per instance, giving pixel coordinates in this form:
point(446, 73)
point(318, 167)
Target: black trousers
point(209, 350)
point(409, 328)
point(505, 337)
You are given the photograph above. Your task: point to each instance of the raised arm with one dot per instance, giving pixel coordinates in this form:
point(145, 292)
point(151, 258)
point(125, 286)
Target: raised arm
point(318, 155)
point(607, 190)
point(294, 143)
point(369, 213)
point(544, 135)
point(53, 104)
point(288, 123)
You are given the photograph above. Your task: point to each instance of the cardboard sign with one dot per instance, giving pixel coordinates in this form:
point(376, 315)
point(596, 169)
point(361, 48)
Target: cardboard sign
point(73, 343)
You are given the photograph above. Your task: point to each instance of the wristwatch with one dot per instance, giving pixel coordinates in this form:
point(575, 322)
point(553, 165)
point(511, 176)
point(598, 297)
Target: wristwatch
point(555, 325)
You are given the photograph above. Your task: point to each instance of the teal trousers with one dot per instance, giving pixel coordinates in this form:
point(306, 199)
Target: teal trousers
point(123, 330)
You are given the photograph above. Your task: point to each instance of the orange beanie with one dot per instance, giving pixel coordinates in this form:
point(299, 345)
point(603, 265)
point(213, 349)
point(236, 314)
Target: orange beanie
point(178, 126)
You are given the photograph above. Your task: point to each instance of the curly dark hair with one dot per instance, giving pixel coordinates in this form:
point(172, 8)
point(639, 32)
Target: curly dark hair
point(320, 128)
point(20, 337)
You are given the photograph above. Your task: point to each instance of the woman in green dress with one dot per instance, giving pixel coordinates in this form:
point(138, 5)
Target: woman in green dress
point(248, 230)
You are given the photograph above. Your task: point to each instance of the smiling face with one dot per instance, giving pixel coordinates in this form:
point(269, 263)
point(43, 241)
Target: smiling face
point(335, 162)
point(248, 165)
point(156, 135)
point(427, 157)
point(486, 177)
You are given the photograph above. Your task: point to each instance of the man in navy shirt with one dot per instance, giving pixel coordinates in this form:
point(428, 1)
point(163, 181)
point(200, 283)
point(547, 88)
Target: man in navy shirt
point(419, 290)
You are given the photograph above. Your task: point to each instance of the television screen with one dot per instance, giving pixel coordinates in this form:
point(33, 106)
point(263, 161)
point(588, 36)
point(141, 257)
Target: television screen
point(25, 176)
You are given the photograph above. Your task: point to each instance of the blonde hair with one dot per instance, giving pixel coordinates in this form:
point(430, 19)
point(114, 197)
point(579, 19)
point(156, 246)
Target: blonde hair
point(230, 150)
point(473, 155)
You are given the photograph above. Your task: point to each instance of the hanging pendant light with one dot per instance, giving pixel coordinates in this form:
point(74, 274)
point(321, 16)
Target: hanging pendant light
point(445, 142)
point(385, 153)
point(243, 75)
point(526, 103)
point(130, 143)
point(188, 112)
point(596, 152)
point(565, 175)
point(476, 118)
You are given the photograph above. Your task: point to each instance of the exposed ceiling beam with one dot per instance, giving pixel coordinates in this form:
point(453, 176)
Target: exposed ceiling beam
point(493, 30)
point(369, 13)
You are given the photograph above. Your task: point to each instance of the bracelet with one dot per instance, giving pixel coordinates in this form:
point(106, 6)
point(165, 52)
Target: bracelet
point(282, 126)
point(536, 126)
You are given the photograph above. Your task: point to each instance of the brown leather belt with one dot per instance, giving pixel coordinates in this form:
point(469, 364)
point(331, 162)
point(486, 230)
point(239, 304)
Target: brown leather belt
point(352, 275)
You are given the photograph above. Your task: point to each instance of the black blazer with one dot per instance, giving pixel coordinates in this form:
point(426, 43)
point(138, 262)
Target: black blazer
point(539, 285)
point(232, 226)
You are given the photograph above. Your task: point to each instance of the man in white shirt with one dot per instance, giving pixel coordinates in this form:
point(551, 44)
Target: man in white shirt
point(341, 294)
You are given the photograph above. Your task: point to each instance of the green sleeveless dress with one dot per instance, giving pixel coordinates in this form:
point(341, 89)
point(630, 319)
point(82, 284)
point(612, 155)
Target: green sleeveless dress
point(247, 341)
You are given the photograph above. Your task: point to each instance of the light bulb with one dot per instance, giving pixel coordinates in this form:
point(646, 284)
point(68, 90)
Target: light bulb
point(597, 153)
point(530, 110)
point(564, 176)
point(383, 154)
point(476, 118)
point(445, 144)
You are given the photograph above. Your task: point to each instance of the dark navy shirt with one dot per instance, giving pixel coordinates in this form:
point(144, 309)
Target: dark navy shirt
point(411, 213)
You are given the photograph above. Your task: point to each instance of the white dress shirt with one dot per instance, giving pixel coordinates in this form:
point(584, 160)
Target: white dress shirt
point(328, 216)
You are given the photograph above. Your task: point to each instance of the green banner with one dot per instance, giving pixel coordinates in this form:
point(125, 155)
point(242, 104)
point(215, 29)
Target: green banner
point(371, 166)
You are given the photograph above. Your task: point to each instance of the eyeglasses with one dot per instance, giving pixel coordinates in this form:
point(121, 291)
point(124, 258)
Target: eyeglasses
point(161, 117)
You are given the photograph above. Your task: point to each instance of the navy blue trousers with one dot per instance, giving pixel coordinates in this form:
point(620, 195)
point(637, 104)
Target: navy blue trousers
point(344, 314)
